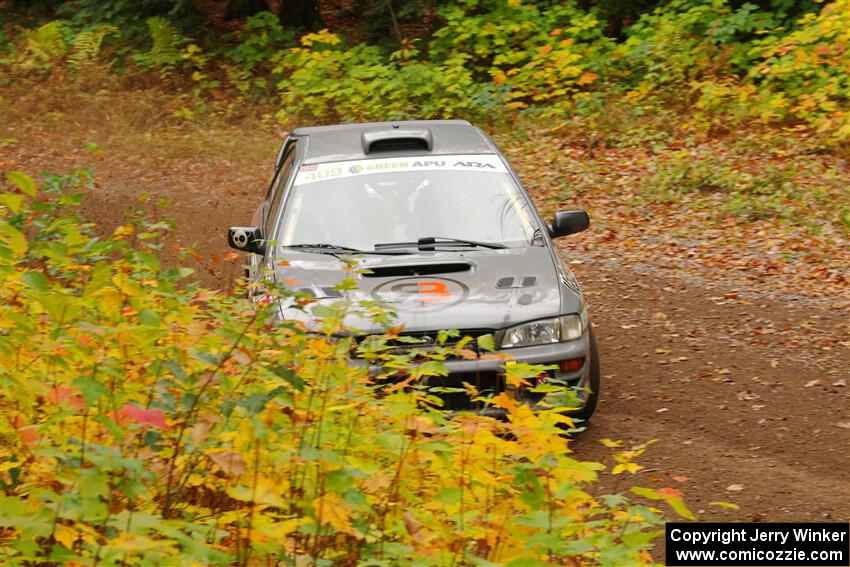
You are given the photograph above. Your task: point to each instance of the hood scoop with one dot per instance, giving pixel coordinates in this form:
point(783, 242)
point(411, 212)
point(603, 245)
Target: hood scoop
point(416, 270)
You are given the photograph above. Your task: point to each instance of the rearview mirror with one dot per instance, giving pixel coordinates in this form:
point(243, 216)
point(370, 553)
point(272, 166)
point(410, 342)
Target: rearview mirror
point(568, 222)
point(246, 239)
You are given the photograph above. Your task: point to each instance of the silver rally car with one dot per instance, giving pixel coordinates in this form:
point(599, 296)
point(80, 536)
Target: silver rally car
point(442, 232)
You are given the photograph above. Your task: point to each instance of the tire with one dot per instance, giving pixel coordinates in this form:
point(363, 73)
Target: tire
point(594, 382)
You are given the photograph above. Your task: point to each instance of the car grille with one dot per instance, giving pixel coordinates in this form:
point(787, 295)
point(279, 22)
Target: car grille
point(428, 340)
point(450, 389)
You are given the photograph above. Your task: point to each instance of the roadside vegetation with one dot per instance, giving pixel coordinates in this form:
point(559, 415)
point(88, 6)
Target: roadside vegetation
point(146, 419)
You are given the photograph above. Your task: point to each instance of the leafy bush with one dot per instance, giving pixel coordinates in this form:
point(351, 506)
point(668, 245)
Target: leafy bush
point(325, 79)
point(259, 41)
point(165, 46)
point(87, 45)
point(148, 421)
point(43, 46)
point(537, 53)
point(129, 16)
point(806, 74)
point(718, 64)
point(738, 64)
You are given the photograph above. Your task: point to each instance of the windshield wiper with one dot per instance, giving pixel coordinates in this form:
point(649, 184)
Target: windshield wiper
point(431, 242)
point(323, 248)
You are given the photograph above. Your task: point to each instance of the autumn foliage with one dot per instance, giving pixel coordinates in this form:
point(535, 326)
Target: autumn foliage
point(148, 421)
point(721, 65)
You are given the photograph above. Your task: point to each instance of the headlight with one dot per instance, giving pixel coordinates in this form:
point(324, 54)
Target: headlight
point(543, 332)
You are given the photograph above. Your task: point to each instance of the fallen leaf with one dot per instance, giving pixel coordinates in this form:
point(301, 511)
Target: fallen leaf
point(811, 383)
point(726, 505)
point(735, 487)
point(662, 410)
point(681, 478)
point(841, 383)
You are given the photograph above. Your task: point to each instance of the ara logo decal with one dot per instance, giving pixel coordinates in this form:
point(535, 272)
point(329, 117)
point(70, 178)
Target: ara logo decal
point(477, 164)
point(421, 294)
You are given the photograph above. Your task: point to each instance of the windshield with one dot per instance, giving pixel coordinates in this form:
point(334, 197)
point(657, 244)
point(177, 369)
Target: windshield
point(364, 203)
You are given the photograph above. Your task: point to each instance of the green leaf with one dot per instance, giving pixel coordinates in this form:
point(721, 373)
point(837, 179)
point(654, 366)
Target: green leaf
point(448, 495)
point(91, 389)
point(526, 562)
point(37, 281)
point(12, 200)
point(430, 368)
point(646, 493)
point(323, 311)
point(22, 181)
point(680, 508)
point(487, 342)
point(149, 318)
point(206, 357)
point(92, 483)
point(59, 306)
point(13, 237)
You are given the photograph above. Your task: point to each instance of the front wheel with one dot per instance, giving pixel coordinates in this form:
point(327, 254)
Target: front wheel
point(593, 382)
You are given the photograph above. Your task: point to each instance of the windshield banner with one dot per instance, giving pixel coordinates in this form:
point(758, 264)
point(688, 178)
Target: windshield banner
point(335, 170)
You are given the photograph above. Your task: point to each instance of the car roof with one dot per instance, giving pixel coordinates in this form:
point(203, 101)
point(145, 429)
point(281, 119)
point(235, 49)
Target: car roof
point(344, 142)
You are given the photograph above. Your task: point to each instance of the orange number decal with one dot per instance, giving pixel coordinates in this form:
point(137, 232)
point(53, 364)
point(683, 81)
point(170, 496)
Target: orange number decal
point(437, 290)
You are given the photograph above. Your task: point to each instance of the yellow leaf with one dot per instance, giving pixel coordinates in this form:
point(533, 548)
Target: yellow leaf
point(626, 467)
point(122, 231)
point(65, 535)
point(611, 444)
point(126, 285)
point(280, 530)
point(330, 509)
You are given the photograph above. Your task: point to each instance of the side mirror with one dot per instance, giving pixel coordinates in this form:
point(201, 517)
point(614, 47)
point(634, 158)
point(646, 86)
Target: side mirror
point(246, 239)
point(568, 222)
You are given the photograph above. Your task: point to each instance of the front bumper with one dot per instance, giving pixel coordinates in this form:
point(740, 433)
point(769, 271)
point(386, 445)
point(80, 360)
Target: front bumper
point(487, 375)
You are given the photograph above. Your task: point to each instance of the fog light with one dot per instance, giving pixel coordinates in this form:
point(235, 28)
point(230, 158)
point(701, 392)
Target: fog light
point(571, 365)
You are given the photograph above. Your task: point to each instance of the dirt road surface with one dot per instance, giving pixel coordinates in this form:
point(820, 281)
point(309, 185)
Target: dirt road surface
point(744, 387)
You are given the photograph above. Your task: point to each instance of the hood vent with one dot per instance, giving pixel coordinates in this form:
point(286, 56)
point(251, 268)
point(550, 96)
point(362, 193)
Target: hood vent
point(416, 270)
point(395, 139)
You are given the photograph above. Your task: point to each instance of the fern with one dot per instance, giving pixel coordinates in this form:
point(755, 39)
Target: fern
point(87, 44)
point(44, 46)
point(166, 41)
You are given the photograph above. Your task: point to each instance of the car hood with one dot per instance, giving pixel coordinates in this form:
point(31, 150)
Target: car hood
point(474, 289)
